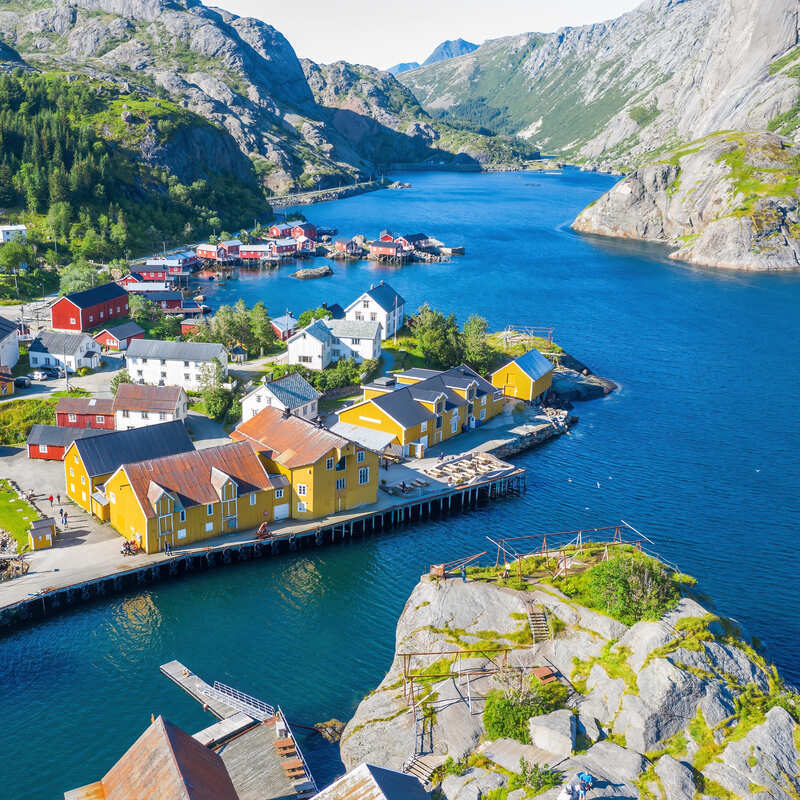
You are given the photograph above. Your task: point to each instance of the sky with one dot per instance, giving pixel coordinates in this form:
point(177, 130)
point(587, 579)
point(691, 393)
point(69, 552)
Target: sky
point(383, 32)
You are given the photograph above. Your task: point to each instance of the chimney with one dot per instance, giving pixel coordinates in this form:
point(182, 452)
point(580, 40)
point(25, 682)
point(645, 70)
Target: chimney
point(381, 283)
point(371, 286)
point(325, 305)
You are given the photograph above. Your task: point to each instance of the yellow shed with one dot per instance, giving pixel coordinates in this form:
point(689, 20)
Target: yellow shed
point(6, 382)
point(526, 377)
point(42, 533)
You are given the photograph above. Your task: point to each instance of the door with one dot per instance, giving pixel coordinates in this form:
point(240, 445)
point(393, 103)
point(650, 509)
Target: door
point(281, 511)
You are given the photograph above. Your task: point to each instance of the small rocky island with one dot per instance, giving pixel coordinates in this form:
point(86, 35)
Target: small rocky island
point(312, 272)
point(518, 684)
point(729, 200)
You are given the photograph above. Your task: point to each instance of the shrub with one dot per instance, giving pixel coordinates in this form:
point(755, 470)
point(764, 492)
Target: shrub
point(507, 712)
point(82, 371)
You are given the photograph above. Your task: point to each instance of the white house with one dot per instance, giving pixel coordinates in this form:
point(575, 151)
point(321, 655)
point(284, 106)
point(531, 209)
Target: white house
point(328, 340)
point(9, 343)
point(290, 393)
point(137, 405)
point(381, 304)
point(70, 350)
point(10, 232)
point(163, 363)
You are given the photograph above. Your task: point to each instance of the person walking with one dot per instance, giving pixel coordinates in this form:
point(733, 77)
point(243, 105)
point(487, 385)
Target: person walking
point(65, 519)
point(58, 498)
point(61, 516)
point(51, 500)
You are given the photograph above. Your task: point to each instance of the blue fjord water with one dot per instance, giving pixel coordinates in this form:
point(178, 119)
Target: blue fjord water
point(698, 449)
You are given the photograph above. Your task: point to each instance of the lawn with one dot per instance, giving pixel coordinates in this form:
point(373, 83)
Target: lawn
point(16, 515)
point(17, 417)
point(405, 352)
point(327, 405)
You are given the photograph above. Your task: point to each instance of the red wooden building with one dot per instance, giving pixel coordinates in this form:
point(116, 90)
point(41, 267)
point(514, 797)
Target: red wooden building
point(50, 442)
point(386, 236)
point(85, 412)
point(304, 229)
point(388, 249)
point(81, 311)
point(222, 251)
point(284, 247)
point(411, 241)
point(120, 336)
point(346, 246)
point(166, 301)
point(146, 275)
point(280, 230)
point(255, 252)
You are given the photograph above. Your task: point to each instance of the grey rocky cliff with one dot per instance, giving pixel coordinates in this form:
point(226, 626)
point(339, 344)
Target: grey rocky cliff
point(729, 200)
point(650, 725)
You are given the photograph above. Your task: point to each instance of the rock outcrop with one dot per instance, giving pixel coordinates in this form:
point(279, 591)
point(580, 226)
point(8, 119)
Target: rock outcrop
point(675, 708)
point(729, 200)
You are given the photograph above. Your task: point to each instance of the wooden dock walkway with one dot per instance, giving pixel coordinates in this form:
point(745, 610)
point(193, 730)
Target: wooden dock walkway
point(196, 687)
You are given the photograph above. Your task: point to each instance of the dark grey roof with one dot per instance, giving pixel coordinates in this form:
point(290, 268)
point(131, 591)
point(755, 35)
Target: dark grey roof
point(397, 785)
point(175, 351)
point(6, 327)
point(54, 436)
point(385, 296)
point(58, 344)
point(293, 390)
point(103, 454)
point(462, 376)
point(414, 237)
point(123, 331)
point(159, 294)
point(401, 406)
point(419, 372)
point(336, 310)
point(97, 294)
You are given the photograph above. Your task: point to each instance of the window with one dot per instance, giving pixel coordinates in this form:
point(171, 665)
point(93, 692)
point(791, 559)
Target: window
point(117, 309)
point(360, 456)
point(454, 424)
point(186, 376)
point(341, 483)
point(101, 315)
point(365, 303)
point(112, 497)
point(209, 526)
point(72, 418)
point(72, 488)
point(91, 318)
point(301, 489)
point(145, 415)
point(252, 498)
point(83, 496)
point(163, 361)
point(304, 359)
point(83, 480)
point(301, 507)
point(328, 463)
point(163, 374)
point(373, 316)
point(341, 463)
point(363, 476)
point(139, 373)
point(356, 341)
point(71, 472)
point(162, 414)
point(424, 426)
point(359, 316)
point(483, 413)
point(209, 509)
point(185, 363)
point(125, 413)
point(438, 422)
point(483, 400)
point(72, 320)
point(182, 515)
point(42, 448)
point(100, 418)
point(278, 494)
point(182, 533)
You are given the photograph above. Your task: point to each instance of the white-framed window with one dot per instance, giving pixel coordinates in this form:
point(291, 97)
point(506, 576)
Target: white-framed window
point(186, 376)
point(100, 418)
point(301, 507)
point(125, 413)
point(454, 424)
point(356, 341)
point(72, 321)
point(83, 496)
point(328, 463)
point(72, 488)
point(483, 400)
point(209, 526)
point(304, 359)
point(101, 315)
point(363, 476)
point(209, 509)
point(42, 448)
point(162, 414)
point(112, 497)
point(83, 480)
point(341, 483)
point(373, 317)
point(359, 316)
point(91, 318)
point(72, 417)
point(278, 494)
point(424, 426)
point(360, 456)
point(145, 415)
point(483, 413)
point(365, 303)
point(182, 533)
point(252, 498)
point(71, 472)
point(182, 515)
point(301, 489)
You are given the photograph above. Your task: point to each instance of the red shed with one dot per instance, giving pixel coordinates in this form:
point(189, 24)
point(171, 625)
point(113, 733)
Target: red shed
point(85, 412)
point(284, 247)
point(50, 442)
point(81, 311)
point(209, 252)
point(164, 300)
point(255, 252)
point(380, 248)
point(280, 230)
point(304, 229)
point(120, 336)
point(386, 236)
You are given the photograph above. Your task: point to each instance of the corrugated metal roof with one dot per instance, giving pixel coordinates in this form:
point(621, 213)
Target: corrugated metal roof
point(142, 397)
point(366, 437)
point(123, 331)
point(368, 782)
point(194, 477)
point(293, 441)
point(165, 763)
point(175, 351)
point(97, 294)
point(534, 364)
point(292, 390)
point(55, 436)
point(85, 405)
point(102, 455)
point(59, 344)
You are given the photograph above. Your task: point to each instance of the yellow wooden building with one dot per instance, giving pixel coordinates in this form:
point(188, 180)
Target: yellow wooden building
point(188, 497)
point(325, 473)
point(424, 407)
point(526, 377)
point(6, 382)
point(42, 533)
point(89, 462)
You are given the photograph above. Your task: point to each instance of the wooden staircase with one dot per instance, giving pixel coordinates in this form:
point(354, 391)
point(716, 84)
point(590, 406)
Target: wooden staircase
point(421, 767)
point(537, 619)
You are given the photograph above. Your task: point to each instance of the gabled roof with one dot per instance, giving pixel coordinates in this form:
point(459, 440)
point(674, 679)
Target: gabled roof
point(97, 294)
point(6, 327)
point(85, 405)
point(195, 477)
point(317, 330)
point(284, 242)
point(304, 225)
point(284, 323)
point(289, 440)
point(59, 344)
point(414, 237)
point(366, 437)
point(379, 243)
point(157, 295)
point(401, 406)
point(352, 328)
point(164, 762)
point(124, 331)
point(368, 782)
point(292, 390)
point(101, 455)
point(385, 296)
point(532, 363)
point(336, 310)
point(143, 397)
point(175, 351)
point(282, 226)
point(231, 243)
point(56, 436)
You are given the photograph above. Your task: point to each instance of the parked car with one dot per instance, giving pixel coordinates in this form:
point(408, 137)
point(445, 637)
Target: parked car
point(22, 382)
point(54, 372)
point(40, 375)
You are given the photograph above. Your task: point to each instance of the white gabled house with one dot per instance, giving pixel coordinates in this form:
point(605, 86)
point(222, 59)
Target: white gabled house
point(291, 393)
point(137, 405)
point(164, 363)
point(326, 341)
point(66, 350)
point(9, 343)
point(380, 304)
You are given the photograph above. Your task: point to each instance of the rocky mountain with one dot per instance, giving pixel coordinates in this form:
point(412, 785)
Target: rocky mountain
point(452, 48)
point(677, 708)
point(403, 66)
point(616, 92)
point(728, 200)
